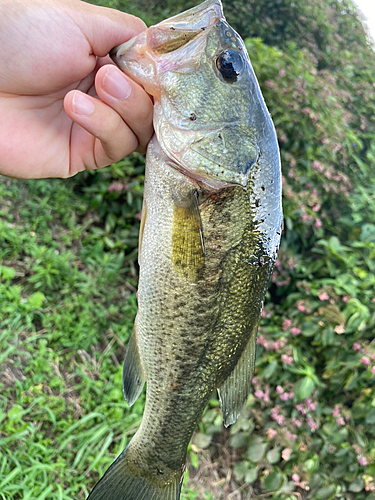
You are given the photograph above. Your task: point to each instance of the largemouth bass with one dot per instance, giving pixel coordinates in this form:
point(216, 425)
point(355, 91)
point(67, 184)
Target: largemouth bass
point(210, 231)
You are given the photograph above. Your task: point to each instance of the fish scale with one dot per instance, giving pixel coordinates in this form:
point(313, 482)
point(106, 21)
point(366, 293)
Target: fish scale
point(209, 236)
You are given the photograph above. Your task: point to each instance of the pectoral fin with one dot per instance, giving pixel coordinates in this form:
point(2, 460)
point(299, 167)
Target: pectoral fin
point(133, 377)
point(234, 391)
point(187, 238)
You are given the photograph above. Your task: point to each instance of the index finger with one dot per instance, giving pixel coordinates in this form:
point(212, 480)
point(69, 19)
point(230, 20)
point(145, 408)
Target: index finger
point(105, 28)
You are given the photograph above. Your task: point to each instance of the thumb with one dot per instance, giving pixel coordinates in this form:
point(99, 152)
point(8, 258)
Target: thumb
point(106, 28)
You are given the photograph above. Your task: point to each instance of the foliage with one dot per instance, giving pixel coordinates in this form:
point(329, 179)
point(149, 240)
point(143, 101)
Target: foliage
point(67, 307)
point(68, 279)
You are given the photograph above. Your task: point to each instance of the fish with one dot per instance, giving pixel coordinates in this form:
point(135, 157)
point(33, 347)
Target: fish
point(209, 235)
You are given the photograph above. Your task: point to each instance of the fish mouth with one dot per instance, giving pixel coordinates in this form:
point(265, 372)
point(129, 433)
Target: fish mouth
point(166, 37)
point(200, 17)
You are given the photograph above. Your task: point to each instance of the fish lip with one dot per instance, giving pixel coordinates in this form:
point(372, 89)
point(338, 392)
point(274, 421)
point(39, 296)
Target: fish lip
point(203, 16)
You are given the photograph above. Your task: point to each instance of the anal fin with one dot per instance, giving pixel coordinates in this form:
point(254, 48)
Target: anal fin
point(133, 377)
point(234, 391)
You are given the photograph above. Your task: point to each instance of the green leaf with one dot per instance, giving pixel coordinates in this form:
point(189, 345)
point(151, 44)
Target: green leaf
point(370, 417)
point(251, 475)
point(326, 493)
point(7, 273)
point(304, 388)
point(273, 456)
point(36, 299)
point(357, 485)
point(269, 370)
point(256, 451)
point(273, 481)
point(240, 470)
point(194, 459)
point(202, 440)
point(238, 440)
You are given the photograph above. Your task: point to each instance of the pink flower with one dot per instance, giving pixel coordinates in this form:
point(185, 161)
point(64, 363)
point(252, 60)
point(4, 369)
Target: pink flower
point(259, 394)
point(318, 224)
point(291, 436)
point(271, 433)
point(370, 487)
point(345, 298)
point(295, 331)
point(316, 165)
point(279, 389)
point(296, 478)
point(336, 411)
point(288, 360)
point(362, 460)
point(284, 397)
point(275, 415)
point(116, 186)
point(340, 421)
point(286, 454)
point(323, 296)
point(287, 323)
point(301, 409)
point(282, 73)
point(373, 369)
point(301, 307)
point(356, 346)
point(296, 422)
point(266, 397)
point(365, 360)
point(357, 449)
point(312, 424)
point(276, 345)
point(270, 84)
point(311, 406)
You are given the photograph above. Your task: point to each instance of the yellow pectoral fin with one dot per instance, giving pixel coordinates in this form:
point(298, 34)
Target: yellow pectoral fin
point(188, 249)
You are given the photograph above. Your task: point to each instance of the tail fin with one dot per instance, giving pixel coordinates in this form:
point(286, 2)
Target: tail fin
point(122, 482)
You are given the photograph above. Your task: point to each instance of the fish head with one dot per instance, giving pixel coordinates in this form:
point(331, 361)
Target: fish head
point(209, 115)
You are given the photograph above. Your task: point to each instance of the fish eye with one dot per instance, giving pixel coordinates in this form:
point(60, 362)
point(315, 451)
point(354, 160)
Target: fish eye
point(230, 65)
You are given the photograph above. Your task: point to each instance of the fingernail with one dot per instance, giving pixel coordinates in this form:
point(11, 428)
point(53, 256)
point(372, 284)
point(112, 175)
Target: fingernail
point(116, 84)
point(82, 105)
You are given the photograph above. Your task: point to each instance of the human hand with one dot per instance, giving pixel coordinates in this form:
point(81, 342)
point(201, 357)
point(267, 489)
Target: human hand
point(64, 107)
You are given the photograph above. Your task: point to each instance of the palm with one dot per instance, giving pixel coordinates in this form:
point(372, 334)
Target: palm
point(46, 54)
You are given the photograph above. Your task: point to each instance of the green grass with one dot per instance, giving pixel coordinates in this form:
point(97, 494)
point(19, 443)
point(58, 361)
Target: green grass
point(67, 309)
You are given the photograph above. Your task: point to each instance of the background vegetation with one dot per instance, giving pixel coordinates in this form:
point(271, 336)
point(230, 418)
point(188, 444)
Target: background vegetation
point(68, 277)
